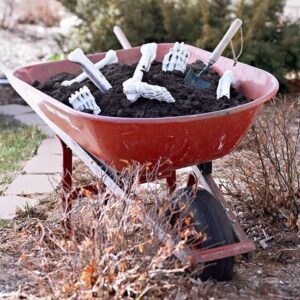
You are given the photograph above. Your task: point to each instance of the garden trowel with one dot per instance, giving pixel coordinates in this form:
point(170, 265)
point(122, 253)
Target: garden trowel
point(195, 79)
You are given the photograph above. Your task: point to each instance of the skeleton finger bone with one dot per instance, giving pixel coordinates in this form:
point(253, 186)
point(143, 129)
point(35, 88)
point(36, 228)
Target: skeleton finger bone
point(224, 84)
point(148, 55)
point(176, 58)
point(77, 56)
point(83, 99)
point(110, 58)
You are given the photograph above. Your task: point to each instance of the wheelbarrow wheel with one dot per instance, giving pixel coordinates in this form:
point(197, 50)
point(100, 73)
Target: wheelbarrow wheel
point(210, 218)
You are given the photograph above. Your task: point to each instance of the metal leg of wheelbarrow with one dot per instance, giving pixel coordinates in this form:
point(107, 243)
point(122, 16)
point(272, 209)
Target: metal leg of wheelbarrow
point(242, 244)
point(67, 195)
point(66, 184)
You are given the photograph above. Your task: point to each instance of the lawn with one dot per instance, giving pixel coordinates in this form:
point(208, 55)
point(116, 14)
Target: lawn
point(17, 143)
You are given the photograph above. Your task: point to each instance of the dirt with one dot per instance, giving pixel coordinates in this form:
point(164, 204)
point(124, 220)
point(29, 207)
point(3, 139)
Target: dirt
point(189, 99)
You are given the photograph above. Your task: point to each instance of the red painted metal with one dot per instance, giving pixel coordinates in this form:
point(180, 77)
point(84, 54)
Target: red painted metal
point(67, 167)
point(66, 186)
point(175, 141)
point(171, 182)
point(213, 254)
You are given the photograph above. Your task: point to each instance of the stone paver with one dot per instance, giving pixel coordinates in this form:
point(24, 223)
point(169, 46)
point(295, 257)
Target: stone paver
point(8, 205)
point(30, 184)
point(15, 109)
point(50, 146)
point(44, 164)
point(30, 119)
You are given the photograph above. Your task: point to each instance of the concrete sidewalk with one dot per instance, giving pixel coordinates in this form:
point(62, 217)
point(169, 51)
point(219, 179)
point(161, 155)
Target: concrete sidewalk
point(41, 173)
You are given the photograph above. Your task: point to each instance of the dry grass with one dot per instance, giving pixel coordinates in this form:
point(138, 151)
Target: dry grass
point(111, 253)
point(265, 171)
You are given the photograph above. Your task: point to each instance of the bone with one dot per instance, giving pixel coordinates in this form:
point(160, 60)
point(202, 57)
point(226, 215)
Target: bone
point(224, 84)
point(148, 55)
point(83, 99)
point(110, 58)
point(176, 58)
point(77, 56)
point(121, 37)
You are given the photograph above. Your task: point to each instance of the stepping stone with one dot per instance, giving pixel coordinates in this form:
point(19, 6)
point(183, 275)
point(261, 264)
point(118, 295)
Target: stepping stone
point(44, 164)
point(15, 109)
point(8, 205)
point(50, 146)
point(30, 119)
point(33, 184)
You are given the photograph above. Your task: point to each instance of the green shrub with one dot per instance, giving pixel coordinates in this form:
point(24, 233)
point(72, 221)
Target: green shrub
point(270, 42)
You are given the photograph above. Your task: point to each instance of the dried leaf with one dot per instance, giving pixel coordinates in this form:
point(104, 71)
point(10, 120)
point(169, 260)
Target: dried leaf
point(88, 275)
point(141, 247)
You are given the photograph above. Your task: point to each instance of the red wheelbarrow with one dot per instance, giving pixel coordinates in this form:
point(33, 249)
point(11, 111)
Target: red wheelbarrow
point(107, 144)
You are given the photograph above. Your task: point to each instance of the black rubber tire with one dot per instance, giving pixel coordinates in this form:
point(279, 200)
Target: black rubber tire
point(211, 218)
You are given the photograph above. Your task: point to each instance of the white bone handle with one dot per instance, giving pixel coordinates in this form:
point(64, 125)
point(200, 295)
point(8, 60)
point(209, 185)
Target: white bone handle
point(148, 55)
point(122, 37)
point(110, 58)
point(224, 85)
point(77, 56)
point(236, 24)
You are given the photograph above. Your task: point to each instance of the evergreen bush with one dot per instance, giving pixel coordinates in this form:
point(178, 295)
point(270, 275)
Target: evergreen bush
point(270, 42)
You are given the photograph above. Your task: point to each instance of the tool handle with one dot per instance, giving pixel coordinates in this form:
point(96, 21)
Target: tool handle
point(122, 37)
point(236, 24)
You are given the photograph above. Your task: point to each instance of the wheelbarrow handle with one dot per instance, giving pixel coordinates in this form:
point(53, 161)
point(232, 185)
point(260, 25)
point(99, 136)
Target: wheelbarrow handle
point(235, 25)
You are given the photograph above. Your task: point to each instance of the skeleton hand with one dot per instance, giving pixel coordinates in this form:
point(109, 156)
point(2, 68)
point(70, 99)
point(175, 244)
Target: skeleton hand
point(110, 58)
point(143, 89)
point(83, 99)
point(176, 58)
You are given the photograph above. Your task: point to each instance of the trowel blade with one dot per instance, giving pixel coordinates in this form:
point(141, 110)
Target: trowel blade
point(192, 79)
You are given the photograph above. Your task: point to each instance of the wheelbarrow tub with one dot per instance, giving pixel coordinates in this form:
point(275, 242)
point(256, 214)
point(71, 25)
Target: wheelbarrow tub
point(173, 142)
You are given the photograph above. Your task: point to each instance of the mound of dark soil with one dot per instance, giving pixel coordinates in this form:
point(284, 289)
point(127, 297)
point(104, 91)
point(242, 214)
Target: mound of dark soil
point(189, 99)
